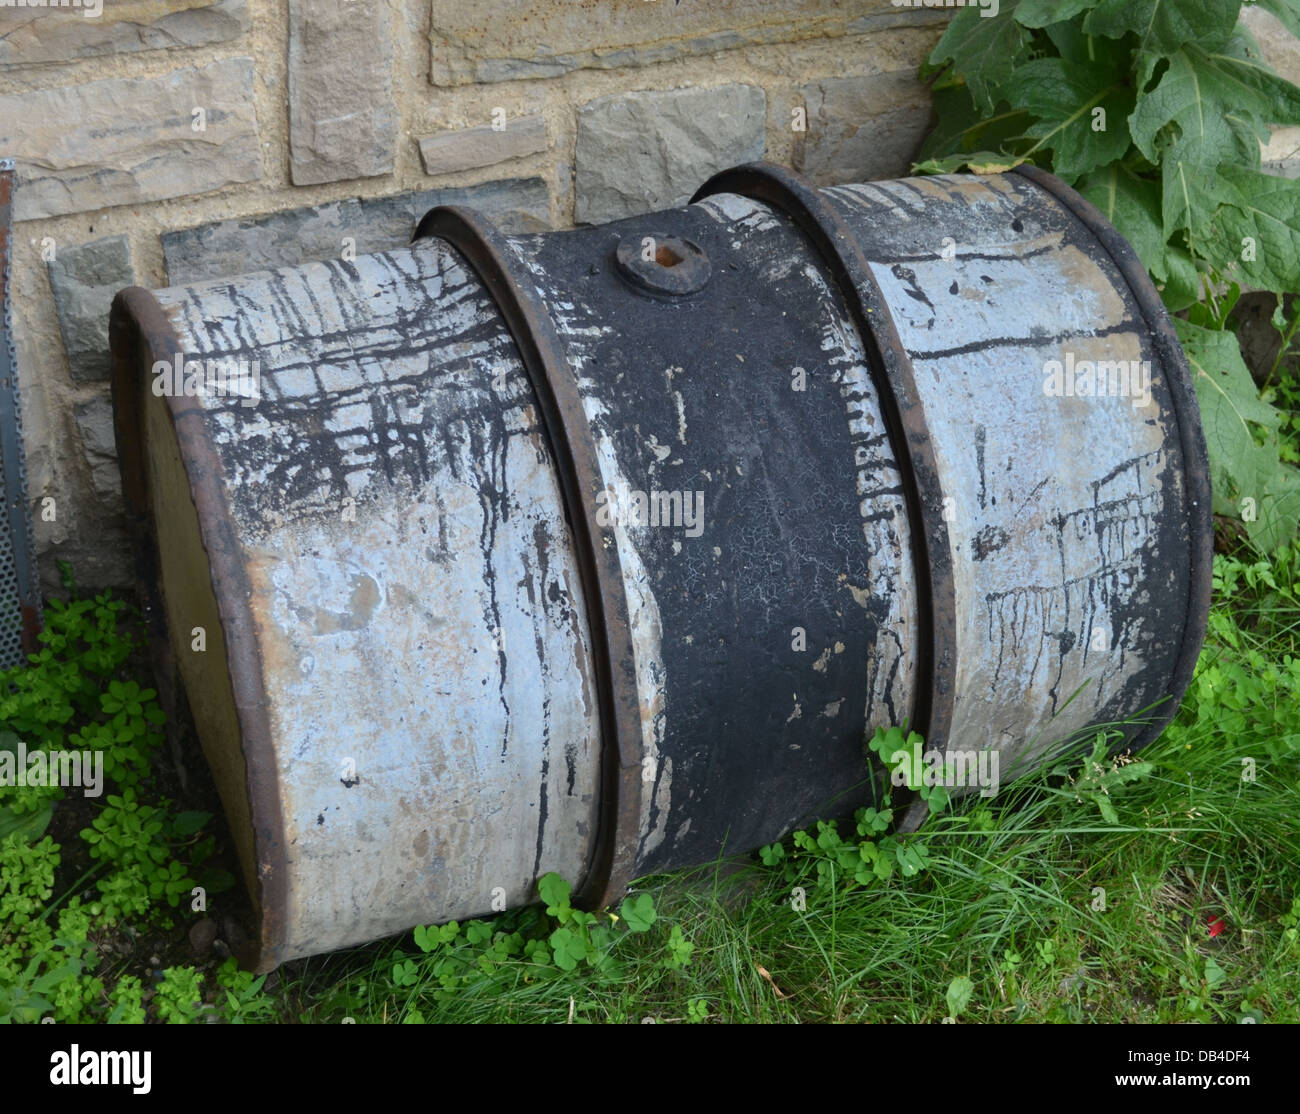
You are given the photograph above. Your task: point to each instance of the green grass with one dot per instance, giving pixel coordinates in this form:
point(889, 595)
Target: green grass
point(1009, 898)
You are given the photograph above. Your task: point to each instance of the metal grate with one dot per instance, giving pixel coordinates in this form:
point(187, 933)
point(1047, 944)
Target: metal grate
point(20, 601)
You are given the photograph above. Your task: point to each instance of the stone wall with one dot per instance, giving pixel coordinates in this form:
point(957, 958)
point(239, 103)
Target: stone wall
point(165, 141)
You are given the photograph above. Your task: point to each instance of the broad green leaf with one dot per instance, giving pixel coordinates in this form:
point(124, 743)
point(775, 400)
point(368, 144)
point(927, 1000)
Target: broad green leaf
point(1240, 469)
point(1261, 213)
point(47, 982)
point(911, 858)
point(1110, 59)
point(959, 995)
point(187, 823)
point(1228, 396)
point(1219, 105)
point(1132, 205)
point(984, 50)
point(961, 128)
point(638, 913)
point(1214, 974)
point(553, 890)
point(1177, 278)
point(1042, 13)
point(984, 163)
point(1163, 26)
point(570, 949)
point(30, 826)
point(955, 112)
point(1278, 517)
point(1063, 97)
point(1134, 771)
point(1191, 193)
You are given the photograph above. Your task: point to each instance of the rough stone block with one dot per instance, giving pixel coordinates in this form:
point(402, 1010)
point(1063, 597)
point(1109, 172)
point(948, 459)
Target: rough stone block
point(862, 128)
point(31, 36)
point(642, 151)
point(516, 39)
point(94, 419)
point(342, 114)
point(316, 232)
point(84, 279)
point(469, 148)
point(128, 140)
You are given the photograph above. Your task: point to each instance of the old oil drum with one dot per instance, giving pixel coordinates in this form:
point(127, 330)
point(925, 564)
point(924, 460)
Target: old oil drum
point(601, 551)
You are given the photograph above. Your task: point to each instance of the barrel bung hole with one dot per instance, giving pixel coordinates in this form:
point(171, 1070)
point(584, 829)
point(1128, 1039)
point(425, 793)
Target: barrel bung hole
point(666, 257)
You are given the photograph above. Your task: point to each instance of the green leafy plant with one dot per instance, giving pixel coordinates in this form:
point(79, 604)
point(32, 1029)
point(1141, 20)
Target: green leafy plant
point(127, 1002)
point(638, 912)
point(138, 839)
point(901, 752)
point(1102, 776)
point(823, 856)
point(529, 944)
point(679, 948)
point(1202, 986)
point(578, 937)
point(1290, 921)
point(178, 998)
point(26, 881)
point(1154, 110)
point(959, 995)
point(405, 973)
point(26, 997)
point(73, 695)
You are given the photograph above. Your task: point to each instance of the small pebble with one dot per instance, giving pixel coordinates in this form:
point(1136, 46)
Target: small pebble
point(202, 935)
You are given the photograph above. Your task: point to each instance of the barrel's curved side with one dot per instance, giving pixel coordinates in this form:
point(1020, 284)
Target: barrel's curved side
point(903, 409)
point(1068, 538)
point(423, 639)
point(1196, 464)
point(141, 335)
point(775, 626)
point(573, 449)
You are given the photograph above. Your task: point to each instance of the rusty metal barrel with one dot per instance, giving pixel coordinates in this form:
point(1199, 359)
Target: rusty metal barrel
point(603, 551)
